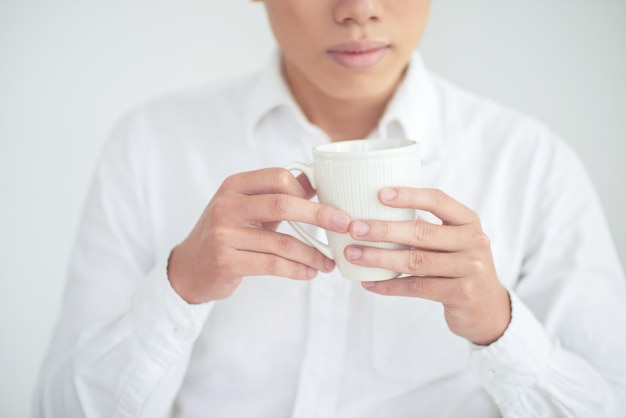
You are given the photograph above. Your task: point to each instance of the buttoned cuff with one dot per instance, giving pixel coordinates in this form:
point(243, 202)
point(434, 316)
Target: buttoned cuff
point(516, 360)
point(164, 320)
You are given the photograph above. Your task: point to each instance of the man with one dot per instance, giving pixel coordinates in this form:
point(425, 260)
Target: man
point(178, 298)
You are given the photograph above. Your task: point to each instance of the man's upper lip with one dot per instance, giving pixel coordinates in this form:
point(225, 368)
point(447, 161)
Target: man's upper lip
point(356, 47)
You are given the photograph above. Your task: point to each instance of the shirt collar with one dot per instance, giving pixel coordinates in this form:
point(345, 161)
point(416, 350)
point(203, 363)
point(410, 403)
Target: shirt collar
point(269, 94)
point(411, 113)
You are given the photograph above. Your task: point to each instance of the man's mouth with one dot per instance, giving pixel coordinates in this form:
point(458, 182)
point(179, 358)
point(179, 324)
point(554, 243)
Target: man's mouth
point(359, 54)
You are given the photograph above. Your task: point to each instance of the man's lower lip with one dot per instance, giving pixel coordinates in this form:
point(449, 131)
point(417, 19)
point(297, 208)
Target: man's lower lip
point(358, 60)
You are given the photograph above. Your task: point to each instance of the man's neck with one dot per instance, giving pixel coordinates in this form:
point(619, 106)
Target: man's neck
point(341, 119)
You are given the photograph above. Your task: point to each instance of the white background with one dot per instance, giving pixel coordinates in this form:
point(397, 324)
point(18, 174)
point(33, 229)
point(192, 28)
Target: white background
point(70, 69)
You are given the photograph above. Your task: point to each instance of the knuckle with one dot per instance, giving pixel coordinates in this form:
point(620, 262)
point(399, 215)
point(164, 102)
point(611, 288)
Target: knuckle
point(416, 261)
point(476, 267)
point(385, 288)
point(482, 241)
point(474, 216)
point(413, 287)
point(228, 181)
point(273, 266)
point(284, 243)
point(283, 178)
point(220, 264)
point(439, 197)
point(220, 207)
point(221, 234)
point(422, 232)
point(321, 215)
point(465, 289)
point(220, 260)
point(279, 205)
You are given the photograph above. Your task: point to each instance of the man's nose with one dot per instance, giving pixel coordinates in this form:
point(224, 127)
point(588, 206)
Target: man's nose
point(360, 12)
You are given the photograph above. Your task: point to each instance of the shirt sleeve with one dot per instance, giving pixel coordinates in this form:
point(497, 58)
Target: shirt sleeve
point(124, 336)
point(563, 352)
point(528, 374)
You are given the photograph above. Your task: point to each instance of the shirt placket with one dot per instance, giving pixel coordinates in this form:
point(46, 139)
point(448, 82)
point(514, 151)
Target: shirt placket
point(321, 369)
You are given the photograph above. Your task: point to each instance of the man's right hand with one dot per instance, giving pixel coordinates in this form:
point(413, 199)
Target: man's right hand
point(236, 235)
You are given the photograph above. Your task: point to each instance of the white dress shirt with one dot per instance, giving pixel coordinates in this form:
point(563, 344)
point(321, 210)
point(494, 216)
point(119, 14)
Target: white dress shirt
point(127, 345)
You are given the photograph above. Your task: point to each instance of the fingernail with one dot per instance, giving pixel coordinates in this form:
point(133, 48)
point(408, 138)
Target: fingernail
point(360, 228)
point(329, 265)
point(369, 285)
point(311, 273)
point(340, 220)
point(354, 253)
point(388, 194)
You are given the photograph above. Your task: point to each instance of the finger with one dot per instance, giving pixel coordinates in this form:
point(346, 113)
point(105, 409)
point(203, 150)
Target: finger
point(410, 261)
point(267, 180)
point(261, 264)
point(419, 234)
point(281, 207)
point(282, 245)
point(450, 211)
point(309, 191)
point(432, 288)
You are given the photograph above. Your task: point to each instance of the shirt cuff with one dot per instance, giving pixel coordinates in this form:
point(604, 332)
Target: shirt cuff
point(163, 319)
point(516, 359)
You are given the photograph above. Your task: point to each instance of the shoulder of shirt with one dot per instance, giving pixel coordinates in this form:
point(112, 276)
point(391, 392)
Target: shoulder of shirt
point(463, 110)
point(215, 103)
point(211, 99)
point(213, 107)
point(502, 132)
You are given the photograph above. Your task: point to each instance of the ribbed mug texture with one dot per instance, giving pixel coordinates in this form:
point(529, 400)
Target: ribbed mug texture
point(348, 175)
point(353, 186)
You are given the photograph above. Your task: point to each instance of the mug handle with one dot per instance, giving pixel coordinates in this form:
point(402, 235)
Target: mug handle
point(322, 247)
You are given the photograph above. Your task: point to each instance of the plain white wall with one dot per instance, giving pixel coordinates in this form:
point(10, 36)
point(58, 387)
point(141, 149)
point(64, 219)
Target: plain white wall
point(70, 69)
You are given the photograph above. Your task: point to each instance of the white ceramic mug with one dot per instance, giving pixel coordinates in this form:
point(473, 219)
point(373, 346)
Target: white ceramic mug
point(348, 175)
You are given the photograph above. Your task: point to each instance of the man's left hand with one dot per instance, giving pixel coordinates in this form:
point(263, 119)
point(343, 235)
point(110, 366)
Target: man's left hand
point(449, 263)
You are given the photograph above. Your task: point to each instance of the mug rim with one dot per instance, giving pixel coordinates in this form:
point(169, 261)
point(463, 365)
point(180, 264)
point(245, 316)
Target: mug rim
point(360, 148)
